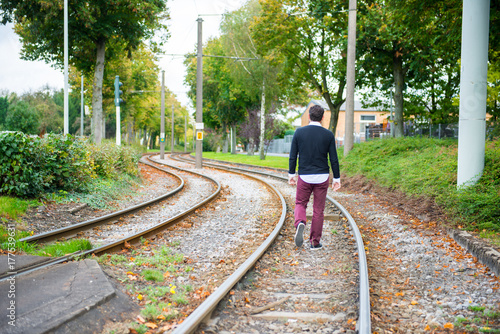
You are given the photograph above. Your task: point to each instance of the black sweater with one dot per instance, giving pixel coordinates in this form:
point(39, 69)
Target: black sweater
point(314, 144)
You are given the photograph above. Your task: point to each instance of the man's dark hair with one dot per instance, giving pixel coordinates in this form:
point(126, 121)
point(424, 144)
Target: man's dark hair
point(316, 113)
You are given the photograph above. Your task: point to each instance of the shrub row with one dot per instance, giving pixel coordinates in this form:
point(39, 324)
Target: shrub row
point(30, 165)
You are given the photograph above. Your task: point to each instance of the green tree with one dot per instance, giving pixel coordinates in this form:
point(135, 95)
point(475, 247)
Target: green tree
point(252, 73)
point(97, 28)
point(416, 54)
point(4, 106)
point(309, 40)
point(23, 117)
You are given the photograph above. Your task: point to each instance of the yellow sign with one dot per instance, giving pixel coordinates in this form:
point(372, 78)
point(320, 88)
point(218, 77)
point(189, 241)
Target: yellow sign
point(199, 135)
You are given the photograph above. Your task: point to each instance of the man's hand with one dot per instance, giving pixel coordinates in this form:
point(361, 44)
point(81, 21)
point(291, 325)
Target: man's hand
point(292, 180)
point(336, 185)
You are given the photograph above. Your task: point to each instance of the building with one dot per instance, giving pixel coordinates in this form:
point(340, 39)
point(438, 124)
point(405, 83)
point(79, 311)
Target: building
point(363, 118)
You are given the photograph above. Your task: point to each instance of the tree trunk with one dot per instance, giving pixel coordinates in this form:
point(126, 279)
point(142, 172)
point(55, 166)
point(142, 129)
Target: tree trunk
point(262, 121)
point(225, 142)
point(335, 107)
point(130, 134)
point(398, 94)
point(251, 146)
point(97, 113)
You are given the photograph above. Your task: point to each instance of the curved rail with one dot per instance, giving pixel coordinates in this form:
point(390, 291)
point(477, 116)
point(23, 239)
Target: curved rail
point(119, 244)
point(88, 224)
point(201, 312)
point(364, 322)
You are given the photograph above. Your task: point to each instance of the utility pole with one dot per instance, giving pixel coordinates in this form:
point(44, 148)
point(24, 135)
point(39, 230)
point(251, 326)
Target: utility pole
point(473, 83)
point(82, 107)
point(351, 74)
point(172, 140)
point(66, 87)
point(162, 126)
point(185, 133)
point(118, 100)
point(262, 120)
point(199, 98)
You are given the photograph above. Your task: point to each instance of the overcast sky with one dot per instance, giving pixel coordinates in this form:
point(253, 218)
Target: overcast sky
point(20, 76)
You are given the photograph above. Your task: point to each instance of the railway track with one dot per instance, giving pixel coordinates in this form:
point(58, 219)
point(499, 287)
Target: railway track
point(326, 296)
point(119, 241)
point(317, 283)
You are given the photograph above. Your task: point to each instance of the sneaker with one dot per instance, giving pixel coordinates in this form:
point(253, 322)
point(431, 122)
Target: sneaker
point(299, 234)
point(315, 247)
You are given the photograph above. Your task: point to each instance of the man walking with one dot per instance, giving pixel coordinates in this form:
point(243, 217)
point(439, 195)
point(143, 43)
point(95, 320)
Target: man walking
point(314, 145)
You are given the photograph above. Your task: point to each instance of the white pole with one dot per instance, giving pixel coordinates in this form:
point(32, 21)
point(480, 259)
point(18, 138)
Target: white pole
point(199, 98)
point(66, 100)
point(473, 76)
point(118, 127)
point(162, 119)
point(351, 73)
point(262, 120)
point(82, 107)
point(172, 138)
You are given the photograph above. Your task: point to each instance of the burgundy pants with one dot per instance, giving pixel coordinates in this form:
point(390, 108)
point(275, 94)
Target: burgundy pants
point(319, 192)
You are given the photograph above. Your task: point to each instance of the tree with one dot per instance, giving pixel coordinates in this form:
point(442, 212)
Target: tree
point(308, 39)
point(96, 28)
point(257, 77)
point(4, 107)
point(419, 51)
point(23, 117)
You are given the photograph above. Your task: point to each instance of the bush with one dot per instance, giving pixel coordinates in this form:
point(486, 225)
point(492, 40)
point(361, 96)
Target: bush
point(110, 159)
point(67, 163)
point(20, 165)
point(30, 166)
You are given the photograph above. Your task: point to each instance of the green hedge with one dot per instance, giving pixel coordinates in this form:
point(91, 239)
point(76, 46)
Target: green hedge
point(30, 165)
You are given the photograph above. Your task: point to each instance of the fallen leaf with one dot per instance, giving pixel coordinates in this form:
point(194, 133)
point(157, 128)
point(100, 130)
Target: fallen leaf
point(413, 302)
point(151, 325)
point(448, 325)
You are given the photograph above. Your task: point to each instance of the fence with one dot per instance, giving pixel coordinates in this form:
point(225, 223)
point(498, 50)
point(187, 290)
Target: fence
point(281, 145)
point(378, 131)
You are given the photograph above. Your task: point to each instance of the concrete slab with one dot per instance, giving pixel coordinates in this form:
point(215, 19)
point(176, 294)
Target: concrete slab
point(19, 262)
point(44, 300)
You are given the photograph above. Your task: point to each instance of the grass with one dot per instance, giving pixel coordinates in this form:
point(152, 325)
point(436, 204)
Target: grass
point(64, 248)
point(100, 193)
point(152, 275)
point(10, 237)
point(480, 321)
point(270, 161)
point(161, 260)
point(12, 207)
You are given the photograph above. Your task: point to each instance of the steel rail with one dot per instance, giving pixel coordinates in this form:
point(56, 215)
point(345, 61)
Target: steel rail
point(86, 225)
point(205, 309)
point(119, 244)
point(363, 324)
